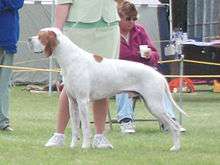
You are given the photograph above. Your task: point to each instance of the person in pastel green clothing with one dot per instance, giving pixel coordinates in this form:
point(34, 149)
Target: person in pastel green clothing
point(93, 26)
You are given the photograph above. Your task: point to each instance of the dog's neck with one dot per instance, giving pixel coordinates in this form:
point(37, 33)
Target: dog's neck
point(68, 54)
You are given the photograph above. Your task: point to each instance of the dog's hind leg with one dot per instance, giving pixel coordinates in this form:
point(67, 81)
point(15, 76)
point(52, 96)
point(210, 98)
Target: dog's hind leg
point(175, 130)
point(156, 108)
point(83, 105)
point(75, 122)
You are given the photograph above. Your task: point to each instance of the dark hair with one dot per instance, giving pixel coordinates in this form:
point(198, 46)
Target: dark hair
point(127, 9)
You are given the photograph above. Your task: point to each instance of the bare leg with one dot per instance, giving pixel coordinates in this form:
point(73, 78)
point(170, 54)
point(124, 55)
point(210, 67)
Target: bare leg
point(63, 113)
point(62, 119)
point(100, 110)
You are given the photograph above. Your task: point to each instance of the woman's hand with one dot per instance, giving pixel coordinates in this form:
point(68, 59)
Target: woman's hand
point(147, 54)
point(145, 51)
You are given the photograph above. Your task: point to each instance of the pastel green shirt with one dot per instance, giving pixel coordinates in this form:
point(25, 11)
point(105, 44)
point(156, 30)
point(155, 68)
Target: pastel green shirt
point(90, 11)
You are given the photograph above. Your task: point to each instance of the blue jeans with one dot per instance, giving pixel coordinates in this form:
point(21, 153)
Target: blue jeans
point(124, 106)
point(5, 75)
point(125, 109)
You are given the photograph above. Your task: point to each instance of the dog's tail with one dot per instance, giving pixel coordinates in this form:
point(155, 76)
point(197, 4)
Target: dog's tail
point(173, 101)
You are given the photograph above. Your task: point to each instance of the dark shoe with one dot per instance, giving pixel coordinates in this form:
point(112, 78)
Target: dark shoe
point(182, 129)
point(164, 128)
point(7, 128)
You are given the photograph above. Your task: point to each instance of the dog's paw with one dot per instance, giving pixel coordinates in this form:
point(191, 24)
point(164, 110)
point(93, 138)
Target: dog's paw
point(175, 148)
point(74, 142)
point(86, 145)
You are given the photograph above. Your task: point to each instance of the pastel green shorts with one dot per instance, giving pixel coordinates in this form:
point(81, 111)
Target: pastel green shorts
point(103, 41)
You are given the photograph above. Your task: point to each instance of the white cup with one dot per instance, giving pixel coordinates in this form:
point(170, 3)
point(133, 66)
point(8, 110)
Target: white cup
point(143, 50)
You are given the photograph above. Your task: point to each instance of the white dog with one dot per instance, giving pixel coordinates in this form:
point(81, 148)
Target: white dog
point(89, 77)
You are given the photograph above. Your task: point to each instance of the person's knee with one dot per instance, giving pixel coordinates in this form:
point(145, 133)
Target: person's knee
point(63, 95)
point(100, 105)
point(63, 99)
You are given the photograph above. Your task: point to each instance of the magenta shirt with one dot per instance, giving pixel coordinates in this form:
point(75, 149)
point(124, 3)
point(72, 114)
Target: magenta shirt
point(131, 52)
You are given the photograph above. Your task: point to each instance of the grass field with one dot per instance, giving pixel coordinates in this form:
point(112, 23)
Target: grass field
point(33, 120)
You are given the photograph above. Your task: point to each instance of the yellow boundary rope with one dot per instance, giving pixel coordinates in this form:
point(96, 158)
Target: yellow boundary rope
point(168, 61)
point(202, 62)
point(193, 76)
point(190, 61)
point(30, 69)
point(57, 70)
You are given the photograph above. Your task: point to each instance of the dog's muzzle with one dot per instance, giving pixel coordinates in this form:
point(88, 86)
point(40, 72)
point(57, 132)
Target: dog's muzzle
point(35, 44)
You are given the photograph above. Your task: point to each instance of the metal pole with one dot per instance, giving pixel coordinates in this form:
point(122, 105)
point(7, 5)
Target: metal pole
point(50, 75)
point(50, 58)
point(204, 27)
point(171, 18)
point(196, 17)
point(212, 18)
point(181, 87)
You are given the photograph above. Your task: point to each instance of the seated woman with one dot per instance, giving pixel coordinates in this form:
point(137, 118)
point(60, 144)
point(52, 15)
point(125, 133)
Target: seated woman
point(132, 36)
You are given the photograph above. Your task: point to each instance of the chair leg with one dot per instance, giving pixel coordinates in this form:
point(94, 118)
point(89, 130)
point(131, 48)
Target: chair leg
point(109, 120)
point(134, 103)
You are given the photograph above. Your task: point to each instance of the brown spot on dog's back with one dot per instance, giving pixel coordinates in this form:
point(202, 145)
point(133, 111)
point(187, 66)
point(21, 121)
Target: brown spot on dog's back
point(98, 58)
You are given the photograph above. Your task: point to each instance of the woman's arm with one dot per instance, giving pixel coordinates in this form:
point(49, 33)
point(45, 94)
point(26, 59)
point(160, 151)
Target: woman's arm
point(61, 14)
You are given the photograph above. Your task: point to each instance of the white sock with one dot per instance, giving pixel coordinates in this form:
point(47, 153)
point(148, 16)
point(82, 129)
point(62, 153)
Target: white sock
point(59, 134)
point(98, 135)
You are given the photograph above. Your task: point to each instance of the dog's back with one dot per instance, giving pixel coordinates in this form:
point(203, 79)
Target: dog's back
point(112, 76)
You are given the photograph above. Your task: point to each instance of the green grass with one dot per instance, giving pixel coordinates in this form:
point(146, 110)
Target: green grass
point(33, 119)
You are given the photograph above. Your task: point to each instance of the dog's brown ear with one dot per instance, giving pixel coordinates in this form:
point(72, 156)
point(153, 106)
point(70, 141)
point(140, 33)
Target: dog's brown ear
point(51, 43)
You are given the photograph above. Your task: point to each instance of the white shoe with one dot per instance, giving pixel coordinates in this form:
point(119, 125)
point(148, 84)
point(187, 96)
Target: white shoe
point(57, 140)
point(100, 141)
point(127, 127)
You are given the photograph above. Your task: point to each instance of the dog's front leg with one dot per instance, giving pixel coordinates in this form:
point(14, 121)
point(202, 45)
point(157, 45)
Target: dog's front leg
point(75, 121)
point(83, 105)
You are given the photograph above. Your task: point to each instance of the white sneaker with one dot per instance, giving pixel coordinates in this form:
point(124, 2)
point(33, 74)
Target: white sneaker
point(100, 141)
point(57, 140)
point(127, 127)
